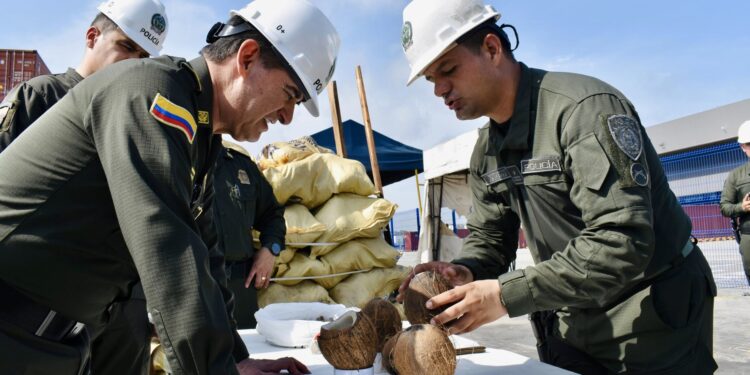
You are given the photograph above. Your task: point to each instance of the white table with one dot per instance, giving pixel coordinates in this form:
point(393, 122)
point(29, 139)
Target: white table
point(494, 361)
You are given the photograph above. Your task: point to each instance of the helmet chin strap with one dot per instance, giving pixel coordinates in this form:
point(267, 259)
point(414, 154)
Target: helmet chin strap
point(515, 33)
point(220, 30)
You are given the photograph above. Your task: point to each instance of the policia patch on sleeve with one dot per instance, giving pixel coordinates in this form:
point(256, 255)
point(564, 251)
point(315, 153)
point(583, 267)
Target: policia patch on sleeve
point(623, 143)
point(174, 116)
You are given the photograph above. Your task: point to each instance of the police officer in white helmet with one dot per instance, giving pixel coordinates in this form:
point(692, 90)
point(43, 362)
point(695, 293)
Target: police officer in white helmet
point(126, 178)
point(123, 29)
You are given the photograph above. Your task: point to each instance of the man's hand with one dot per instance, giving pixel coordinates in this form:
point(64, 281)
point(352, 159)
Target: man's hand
point(746, 203)
point(263, 261)
point(478, 303)
point(271, 366)
point(455, 274)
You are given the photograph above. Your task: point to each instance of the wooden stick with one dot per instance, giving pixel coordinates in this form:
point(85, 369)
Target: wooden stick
point(338, 134)
point(419, 194)
point(471, 350)
point(368, 132)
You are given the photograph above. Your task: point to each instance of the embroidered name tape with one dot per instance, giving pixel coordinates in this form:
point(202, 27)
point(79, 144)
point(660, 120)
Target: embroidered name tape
point(502, 174)
point(174, 116)
point(541, 165)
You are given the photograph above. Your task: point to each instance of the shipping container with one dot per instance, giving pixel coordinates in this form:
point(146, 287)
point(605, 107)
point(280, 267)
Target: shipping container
point(17, 66)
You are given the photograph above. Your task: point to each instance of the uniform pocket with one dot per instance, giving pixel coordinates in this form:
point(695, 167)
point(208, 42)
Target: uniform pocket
point(678, 299)
point(588, 154)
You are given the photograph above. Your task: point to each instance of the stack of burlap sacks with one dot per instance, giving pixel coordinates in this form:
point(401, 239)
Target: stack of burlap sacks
point(328, 200)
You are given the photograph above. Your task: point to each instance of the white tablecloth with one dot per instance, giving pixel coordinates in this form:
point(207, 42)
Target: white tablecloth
point(494, 361)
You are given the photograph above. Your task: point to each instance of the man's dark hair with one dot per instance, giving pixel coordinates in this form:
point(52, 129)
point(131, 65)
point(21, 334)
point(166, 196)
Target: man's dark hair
point(225, 47)
point(474, 39)
point(103, 23)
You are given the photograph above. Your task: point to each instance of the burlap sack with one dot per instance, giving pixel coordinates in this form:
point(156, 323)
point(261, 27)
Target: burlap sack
point(356, 255)
point(280, 153)
point(306, 291)
point(360, 288)
point(313, 180)
point(349, 216)
point(301, 225)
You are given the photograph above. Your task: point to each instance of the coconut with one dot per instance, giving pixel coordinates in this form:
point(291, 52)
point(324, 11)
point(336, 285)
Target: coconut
point(422, 287)
point(422, 349)
point(385, 317)
point(387, 355)
point(349, 342)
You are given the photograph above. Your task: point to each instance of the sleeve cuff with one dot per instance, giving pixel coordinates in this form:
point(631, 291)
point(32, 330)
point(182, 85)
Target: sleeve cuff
point(515, 293)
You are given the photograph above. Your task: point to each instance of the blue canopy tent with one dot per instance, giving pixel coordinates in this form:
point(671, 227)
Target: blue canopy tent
point(397, 161)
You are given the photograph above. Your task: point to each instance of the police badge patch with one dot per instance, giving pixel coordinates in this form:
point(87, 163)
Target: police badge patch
point(243, 177)
point(627, 135)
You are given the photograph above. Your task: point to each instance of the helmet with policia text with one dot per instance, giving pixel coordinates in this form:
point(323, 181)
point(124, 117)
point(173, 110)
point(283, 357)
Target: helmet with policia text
point(431, 29)
point(143, 21)
point(743, 135)
point(303, 36)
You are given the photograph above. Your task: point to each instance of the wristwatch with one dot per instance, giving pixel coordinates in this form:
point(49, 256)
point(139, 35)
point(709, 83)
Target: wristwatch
point(275, 249)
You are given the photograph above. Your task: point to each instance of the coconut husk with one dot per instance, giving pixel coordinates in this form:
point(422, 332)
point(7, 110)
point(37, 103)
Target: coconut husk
point(422, 349)
point(385, 317)
point(349, 343)
point(422, 287)
point(387, 354)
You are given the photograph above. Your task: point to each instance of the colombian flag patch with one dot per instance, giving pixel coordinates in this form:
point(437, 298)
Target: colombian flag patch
point(173, 115)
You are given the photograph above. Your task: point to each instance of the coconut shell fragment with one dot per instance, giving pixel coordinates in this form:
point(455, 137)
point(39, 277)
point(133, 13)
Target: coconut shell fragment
point(349, 342)
point(418, 350)
point(385, 317)
point(422, 287)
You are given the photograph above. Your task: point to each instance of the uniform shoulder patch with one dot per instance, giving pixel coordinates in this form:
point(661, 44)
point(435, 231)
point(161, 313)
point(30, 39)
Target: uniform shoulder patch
point(174, 116)
point(627, 135)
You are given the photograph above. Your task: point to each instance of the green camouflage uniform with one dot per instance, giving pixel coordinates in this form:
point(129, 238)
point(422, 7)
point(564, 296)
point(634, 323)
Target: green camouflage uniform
point(736, 187)
point(111, 187)
point(574, 167)
point(244, 200)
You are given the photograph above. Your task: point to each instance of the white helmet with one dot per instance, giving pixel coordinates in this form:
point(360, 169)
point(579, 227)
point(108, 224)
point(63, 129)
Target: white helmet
point(304, 37)
point(432, 27)
point(743, 135)
point(143, 21)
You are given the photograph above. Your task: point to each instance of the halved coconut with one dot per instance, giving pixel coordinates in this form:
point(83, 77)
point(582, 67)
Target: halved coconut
point(422, 349)
point(385, 317)
point(422, 287)
point(349, 342)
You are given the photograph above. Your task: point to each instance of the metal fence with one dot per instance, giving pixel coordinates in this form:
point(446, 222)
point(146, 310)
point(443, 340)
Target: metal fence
point(696, 177)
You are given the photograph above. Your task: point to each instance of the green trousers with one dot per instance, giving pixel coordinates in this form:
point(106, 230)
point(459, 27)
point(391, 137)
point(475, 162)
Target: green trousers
point(122, 346)
point(245, 302)
point(745, 252)
point(23, 353)
point(664, 329)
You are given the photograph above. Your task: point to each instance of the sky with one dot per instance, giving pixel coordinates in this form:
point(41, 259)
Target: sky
point(670, 58)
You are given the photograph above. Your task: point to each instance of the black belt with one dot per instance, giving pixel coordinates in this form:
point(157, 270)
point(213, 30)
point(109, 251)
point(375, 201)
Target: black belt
point(21, 311)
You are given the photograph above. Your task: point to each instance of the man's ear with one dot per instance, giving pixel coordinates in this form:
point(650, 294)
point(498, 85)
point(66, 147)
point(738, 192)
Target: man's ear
point(492, 46)
point(247, 56)
point(91, 36)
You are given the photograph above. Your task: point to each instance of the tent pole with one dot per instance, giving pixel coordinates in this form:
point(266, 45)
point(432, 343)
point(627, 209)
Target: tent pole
point(338, 134)
point(419, 196)
point(368, 132)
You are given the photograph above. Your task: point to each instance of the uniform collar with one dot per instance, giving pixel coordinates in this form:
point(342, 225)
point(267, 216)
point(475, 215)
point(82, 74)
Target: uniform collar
point(517, 135)
point(73, 75)
point(204, 91)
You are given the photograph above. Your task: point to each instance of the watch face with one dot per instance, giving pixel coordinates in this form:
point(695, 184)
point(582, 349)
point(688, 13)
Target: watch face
point(275, 249)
